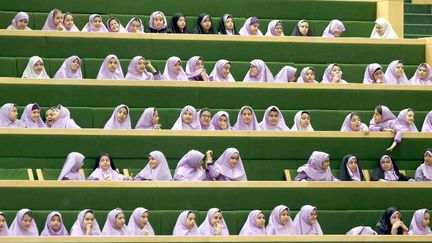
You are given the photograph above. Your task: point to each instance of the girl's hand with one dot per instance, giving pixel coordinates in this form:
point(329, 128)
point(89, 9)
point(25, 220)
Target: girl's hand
point(394, 144)
point(157, 127)
point(389, 130)
point(365, 130)
point(88, 229)
point(209, 156)
point(379, 81)
point(218, 228)
point(144, 230)
point(335, 78)
point(60, 26)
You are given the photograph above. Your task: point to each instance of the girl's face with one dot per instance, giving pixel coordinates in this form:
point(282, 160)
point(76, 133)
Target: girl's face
point(104, 162)
point(304, 120)
point(352, 165)
point(217, 218)
point(313, 217)
point(122, 114)
point(399, 70)
point(68, 21)
point(226, 70)
point(206, 24)
point(158, 21)
point(229, 24)
point(181, 23)
point(140, 65)
point(51, 116)
point(152, 161)
point(234, 159)
point(325, 164)
point(396, 217)
point(246, 115)
point(425, 223)
point(190, 220)
point(177, 68)
point(13, 115)
point(283, 217)
point(120, 220)
point(22, 24)
point(260, 220)
point(114, 25)
point(187, 117)
point(386, 164)
point(336, 32)
point(379, 29)
point(335, 71)
point(97, 22)
point(58, 18)
point(309, 76)
point(223, 122)
point(199, 64)
point(2, 221)
point(205, 118)
point(410, 117)
point(253, 28)
point(253, 70)
point(88, 219)
point(428, 159)
point(38, 67)
point(75, 64)
point(278, 30)
point(155, 118)
point(378, 74)
point(143, 219)
point(26, 221)
point(112, 64)
point(377, 117)
point(304, 28)
point(135, 26)
point(355, 123)
point(422, 72)
point(55, 222)
point(273, 117)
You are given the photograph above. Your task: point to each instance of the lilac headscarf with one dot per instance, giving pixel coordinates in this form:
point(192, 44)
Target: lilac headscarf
point(390, 74)
point(206, 228)
point(29, 71)
point(110, 174)
point(240, 125)
point(402, 125)
point(362, 230)
point(160, 173)
point(169, 73)
point(110, 227)
point(134, 226)
point(113, 122)
point(427, 124)
point(180, 125)
point(297, 123)
point(302, 223)
point(190, 67)
point(65, 70)
point(17, 18)
point(424, 171)
point(71, 167)
point(209, 127)
point(78, 227)
point(416, 78)
point(5, 230)
point(187, 167)
point(121, 28)
point(214, 120)
point(347, 122)
point(16, 228)
point(64, 120)
point(250, 227)
point(5, 116)
point(388, 118)
point(49, 22)
point(89, 27)
point(49, 231)
point(302, 77)
point(105, 73)
point(416, 226)
point(181, 227)
point(145, 121)
point(73, 28)
point(264, 73)
point(153, 15)
point(245, 29)
point(216, 74)
point(328, 32)
point(327, 77)
point(369, 74)
point(272, 27)
point(129, 25)
point(134, 74)
point(265, 123)
point(313, 169)
point(275, 227)
point(236, 173)
point(285, 74)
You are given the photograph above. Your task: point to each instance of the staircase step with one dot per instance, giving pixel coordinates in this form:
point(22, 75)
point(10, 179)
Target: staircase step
point(411, 36)
point(417, 8)
point(425, 29)
point(418, 18)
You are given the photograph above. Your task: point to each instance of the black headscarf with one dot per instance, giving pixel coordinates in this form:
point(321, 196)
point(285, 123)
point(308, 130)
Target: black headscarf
point(199, 29)
point(98, 159)
point(378, 173)
point(222, 27)
point(343, 171)
point(174, 27)
point(296, 30)
point(383, 226)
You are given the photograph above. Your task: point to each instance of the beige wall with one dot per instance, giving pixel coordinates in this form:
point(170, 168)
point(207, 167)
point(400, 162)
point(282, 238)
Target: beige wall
point(392, 10)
